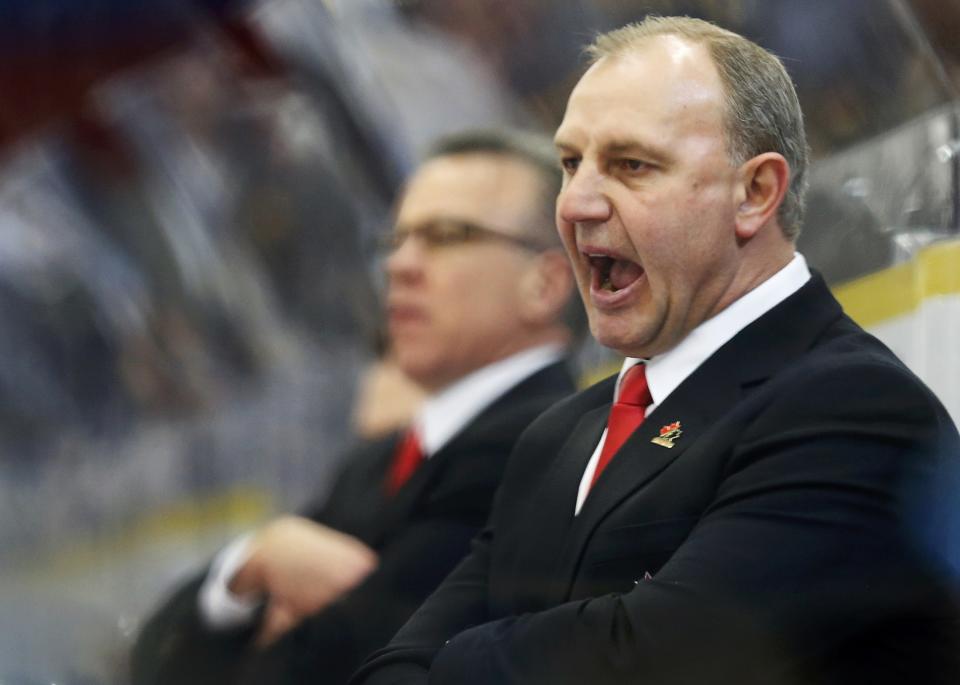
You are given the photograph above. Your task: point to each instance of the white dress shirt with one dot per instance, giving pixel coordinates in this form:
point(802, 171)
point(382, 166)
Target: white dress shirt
point(439, 419)
point(668, 370)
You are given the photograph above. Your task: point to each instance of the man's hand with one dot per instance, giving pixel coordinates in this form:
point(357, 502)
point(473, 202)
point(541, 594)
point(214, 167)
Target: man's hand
point(301, 567)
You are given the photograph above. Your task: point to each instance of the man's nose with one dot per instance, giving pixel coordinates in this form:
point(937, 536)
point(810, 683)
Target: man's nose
point(582, 198)
point(406, 262)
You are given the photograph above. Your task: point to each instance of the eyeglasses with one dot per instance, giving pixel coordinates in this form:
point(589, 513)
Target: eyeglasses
point(449, 232)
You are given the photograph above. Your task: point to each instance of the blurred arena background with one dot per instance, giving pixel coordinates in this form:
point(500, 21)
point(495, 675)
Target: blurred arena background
point(190, 196)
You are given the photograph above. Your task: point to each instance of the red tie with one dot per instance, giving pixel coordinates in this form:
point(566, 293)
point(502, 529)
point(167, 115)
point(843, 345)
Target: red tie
point(407, 457)
point(626, 415)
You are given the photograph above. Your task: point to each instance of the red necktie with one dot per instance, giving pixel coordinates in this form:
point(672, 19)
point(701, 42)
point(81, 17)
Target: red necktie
point(407, 457)
point(626, 415)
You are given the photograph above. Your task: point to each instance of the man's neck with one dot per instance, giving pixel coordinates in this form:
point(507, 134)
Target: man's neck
point(448, 411)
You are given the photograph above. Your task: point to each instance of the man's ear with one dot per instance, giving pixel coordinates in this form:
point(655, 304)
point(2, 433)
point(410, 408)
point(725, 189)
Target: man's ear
point(545, 288)
point(764, 181)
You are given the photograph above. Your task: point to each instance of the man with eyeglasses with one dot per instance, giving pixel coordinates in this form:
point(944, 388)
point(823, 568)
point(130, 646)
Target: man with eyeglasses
point(480, 309)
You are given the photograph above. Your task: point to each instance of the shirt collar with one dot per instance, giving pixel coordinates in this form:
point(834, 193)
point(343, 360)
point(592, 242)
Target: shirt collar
point(667, 371)
point(446, 413)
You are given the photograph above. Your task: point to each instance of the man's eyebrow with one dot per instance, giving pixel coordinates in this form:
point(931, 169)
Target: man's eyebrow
point(619, 147)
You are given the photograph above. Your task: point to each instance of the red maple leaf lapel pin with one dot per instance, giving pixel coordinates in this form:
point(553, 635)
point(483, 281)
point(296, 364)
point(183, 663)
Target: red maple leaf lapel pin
point(668, 435)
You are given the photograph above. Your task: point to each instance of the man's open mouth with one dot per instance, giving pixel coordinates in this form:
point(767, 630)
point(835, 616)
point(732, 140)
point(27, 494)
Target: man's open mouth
point(613, 274)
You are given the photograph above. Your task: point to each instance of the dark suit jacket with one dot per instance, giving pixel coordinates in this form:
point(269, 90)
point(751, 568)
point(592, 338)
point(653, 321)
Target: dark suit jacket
point(783, 539)
point(420, 534)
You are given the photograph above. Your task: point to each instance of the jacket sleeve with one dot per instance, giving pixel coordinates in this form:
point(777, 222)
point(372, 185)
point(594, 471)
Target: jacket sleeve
point(413, 560)
point(175, 646)
point(330, 645)
point(460, 602)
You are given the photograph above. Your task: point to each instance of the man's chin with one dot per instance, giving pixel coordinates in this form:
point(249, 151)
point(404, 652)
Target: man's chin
point(420, 371)
point(621, 338)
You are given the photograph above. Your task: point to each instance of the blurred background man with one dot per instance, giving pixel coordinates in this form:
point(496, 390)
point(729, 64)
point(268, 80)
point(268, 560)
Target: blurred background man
point(478, 291)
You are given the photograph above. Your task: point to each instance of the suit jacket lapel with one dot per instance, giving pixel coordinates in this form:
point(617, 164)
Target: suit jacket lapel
point(760, 350)
point(397, 508)
point(535, 529)
point(696, 405)
point(558, 493)
point(551, 381)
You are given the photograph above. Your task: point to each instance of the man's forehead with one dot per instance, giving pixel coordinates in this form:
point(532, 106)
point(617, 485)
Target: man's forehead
point(663, 80)
point(666, 50)
point(471, 187)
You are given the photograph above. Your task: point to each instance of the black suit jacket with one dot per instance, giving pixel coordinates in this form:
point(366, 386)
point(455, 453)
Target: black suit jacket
point(785, 538)
point(420, 534)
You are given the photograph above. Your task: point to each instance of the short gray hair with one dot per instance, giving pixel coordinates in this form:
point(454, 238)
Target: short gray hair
point(762, 110)
point(534, 149)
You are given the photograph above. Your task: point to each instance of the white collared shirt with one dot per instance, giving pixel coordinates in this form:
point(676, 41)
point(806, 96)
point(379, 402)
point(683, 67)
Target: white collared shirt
point(668, 370)
point(446, 413)
point(441, 417)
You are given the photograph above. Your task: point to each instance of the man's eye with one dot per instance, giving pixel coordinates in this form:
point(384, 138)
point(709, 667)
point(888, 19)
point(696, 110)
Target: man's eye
point(570, 164)
point(437, 236)
point(631, 164)
point(447, 233)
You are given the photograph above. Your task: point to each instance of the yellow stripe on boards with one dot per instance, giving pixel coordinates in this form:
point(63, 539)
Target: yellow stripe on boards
point(901, 289)
point(237, 509)
point(941, 267)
